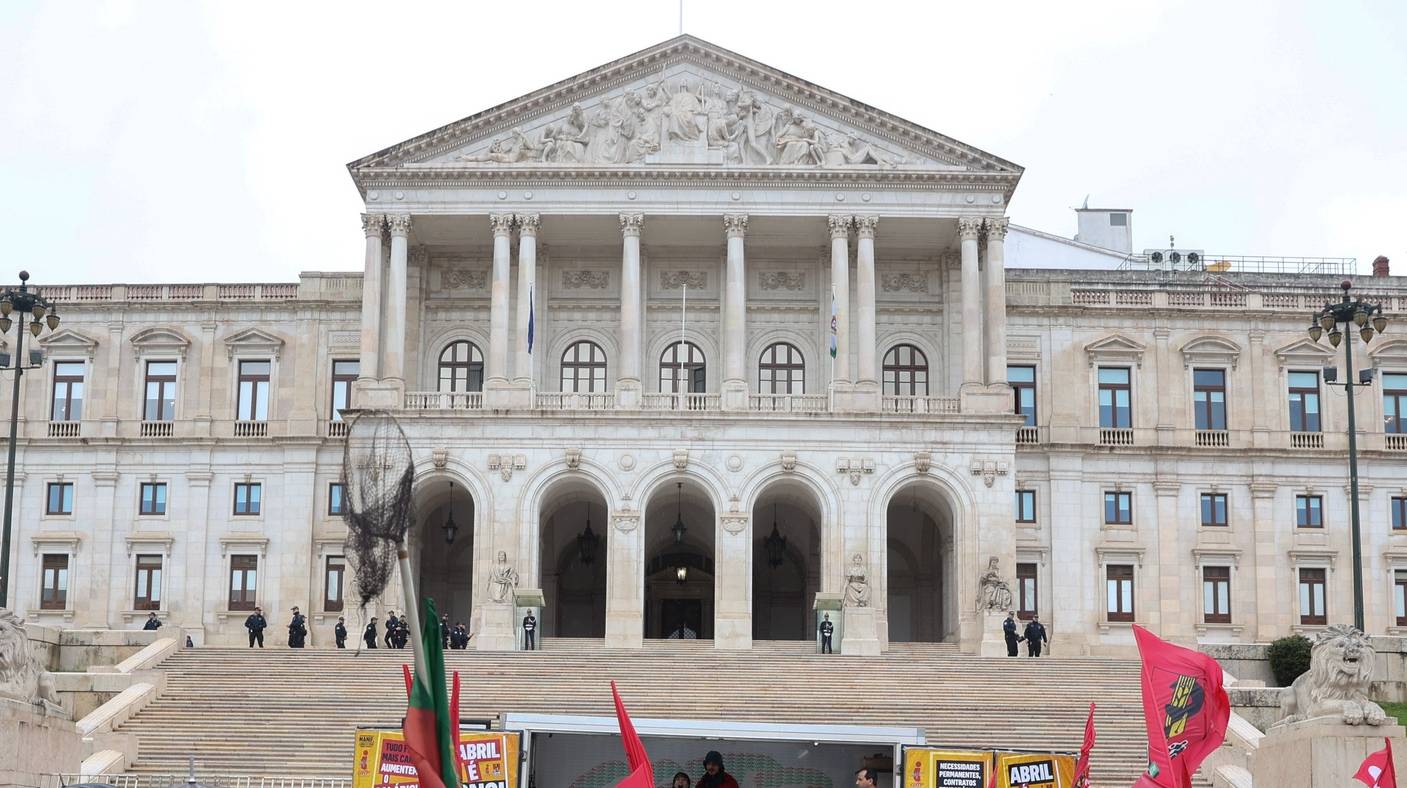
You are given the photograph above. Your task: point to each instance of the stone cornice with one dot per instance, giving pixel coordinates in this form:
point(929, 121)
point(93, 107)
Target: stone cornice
point(430, 176)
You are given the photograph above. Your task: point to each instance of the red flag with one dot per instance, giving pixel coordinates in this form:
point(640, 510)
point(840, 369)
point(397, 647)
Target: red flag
point(1185, 708)
point(642, 774)
point(1082, 765)
point(1377, 770)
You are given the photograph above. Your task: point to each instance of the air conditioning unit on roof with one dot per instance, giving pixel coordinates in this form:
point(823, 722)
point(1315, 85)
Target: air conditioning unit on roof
point(1174, 259)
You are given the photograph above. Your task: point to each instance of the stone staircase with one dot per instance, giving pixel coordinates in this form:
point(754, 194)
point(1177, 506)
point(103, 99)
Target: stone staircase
point(278, 711)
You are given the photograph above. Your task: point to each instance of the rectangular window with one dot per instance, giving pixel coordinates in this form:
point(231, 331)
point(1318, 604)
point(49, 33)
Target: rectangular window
point(1118, 508)
point(244, 581)
point(1119, 578)
point(153, 498)
point(1026, 601)
point(335, 491)
point(1114, 393)
point(1395, 403)
point(1118, 220)
point(1312, 597)
point(1023, 387)
point(1304, 401)
point(148, 593)
point(1209, 398)
point(68, 391)
point(333, 576)
point(53, 591)
point(253, 404)
point(60, 498)
point(1399, 597)
point(160, 402)
point(247, 496)
point(1213, 508)
point(344, 374)
point(1399, 513)
point(1025, 506)
point(1216, 594)
point(1309, 511)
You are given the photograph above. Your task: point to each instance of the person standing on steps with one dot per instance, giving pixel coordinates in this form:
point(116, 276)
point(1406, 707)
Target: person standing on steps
point(530, 632)
point(714, 775)
point(340, 632)
point(1009, 630)
point(827, 632)
point(153, 623)
point(393, 626)
point(444, 630)
point(256, 626)
point(297, 629)
point(1035, 636)
point(369, 636)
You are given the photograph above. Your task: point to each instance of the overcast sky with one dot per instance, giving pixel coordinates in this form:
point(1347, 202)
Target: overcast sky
point(185, 141)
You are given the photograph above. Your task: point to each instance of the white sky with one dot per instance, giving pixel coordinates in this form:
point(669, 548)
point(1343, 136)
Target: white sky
point(167, 140)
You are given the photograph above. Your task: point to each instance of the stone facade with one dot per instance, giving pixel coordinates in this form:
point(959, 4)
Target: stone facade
point(840, 282)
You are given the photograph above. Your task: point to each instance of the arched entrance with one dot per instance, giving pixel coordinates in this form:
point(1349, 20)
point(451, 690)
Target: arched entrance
point(786, 561)
point(443, 548)
point(573, 528)
point(921, 576)
point(679, 551)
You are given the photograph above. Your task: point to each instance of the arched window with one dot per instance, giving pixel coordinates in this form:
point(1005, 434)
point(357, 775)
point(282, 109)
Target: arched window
point(461, 367)
point(905, 372)
point(782, 370)
point(682, 369)
point(584, 368)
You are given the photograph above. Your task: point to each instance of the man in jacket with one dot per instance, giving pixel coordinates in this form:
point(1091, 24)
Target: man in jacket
point(1035, 636)
point(444, 630)
point(827, 632)
point(153, 623)
point(297, 629)
point(714, 774)
point(256, 626)
point(369, 636)
point(393, 626)
point(529, 632)
point(1009, 630)
point(340, 632)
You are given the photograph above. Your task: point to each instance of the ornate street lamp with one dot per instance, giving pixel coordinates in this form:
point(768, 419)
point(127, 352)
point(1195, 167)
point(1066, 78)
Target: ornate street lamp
point(587, 541)
point(451, 530)
point(679, 528)
point(23, 301)
point(1369, 320)
point(775, 544)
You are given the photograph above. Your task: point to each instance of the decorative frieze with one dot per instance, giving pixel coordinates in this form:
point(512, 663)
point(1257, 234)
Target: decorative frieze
point(505, 464)
point(464, 279)
point(781, 280)
point(910, 282)
point(585, 280)
point(675, 280)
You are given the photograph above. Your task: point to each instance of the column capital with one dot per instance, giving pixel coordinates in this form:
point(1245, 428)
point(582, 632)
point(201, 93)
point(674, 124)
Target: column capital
point(528, 223)
point(969, 227)
point(373, 224)
point(399, 224)
point(996, 228)
point(735, 224)
point(501, 223)
point(631, 224)
point(840, 225)
point(865, 226)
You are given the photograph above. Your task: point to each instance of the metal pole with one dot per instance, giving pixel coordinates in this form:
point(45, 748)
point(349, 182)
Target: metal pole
point(417, 646)
point(10, 468)
point(1353, 479)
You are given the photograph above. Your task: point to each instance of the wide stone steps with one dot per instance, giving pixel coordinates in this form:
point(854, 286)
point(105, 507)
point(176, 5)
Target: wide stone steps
point(238, 710)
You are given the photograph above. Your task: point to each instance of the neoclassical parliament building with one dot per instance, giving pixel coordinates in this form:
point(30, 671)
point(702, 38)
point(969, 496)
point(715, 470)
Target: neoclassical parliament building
point(686, 341)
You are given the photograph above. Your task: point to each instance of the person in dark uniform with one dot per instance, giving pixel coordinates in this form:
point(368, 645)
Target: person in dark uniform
point(153, 623)
point(340, 632)
point(369, 636)
point(1035, 636)
point(714, 775)
point(189, 643)
point(1009, 630)
point(256, 626)
point(827, 632)
point(403, 631)
point(529, 632)
point(393, 624)
point(297, 629)
point(444, 630)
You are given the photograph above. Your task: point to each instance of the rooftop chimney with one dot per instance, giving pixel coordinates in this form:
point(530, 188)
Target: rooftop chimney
point(1108, 228)
point(1380, 266)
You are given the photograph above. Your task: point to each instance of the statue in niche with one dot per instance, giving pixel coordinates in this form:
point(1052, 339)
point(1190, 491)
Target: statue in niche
point(857, 586)
point(504, 579)
point(995, 594)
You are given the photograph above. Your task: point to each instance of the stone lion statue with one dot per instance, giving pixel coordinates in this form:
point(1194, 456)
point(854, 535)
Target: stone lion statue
point(21, 678)
point(1340, 671)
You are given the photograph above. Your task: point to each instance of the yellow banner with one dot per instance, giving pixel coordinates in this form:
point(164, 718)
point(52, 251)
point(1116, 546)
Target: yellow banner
point(486, 760)
point(929, 768)
point(1035, 770)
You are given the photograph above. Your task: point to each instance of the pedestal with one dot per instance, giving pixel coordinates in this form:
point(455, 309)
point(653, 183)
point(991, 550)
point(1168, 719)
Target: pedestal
point(33, 743)
point(497, 631)
point(734, 395)
point(859, 632)
point(528, 600)
point(1320, 752)
point(993, 639)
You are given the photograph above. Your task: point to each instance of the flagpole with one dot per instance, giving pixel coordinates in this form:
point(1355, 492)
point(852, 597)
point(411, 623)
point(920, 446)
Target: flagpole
point(417, 647)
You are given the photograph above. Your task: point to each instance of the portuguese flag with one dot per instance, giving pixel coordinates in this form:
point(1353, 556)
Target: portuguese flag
point(430, 724)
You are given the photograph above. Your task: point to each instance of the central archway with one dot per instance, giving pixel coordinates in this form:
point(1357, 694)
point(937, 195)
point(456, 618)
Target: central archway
point(786, 561)
point(921, 579)
point(679, 569)
point(444, 567)
point(573, 560)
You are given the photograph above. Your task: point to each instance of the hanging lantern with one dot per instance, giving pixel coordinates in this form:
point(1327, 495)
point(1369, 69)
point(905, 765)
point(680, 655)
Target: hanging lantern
point(775, 544)
point(451, 530)
point(679, 528)
point(587, 541)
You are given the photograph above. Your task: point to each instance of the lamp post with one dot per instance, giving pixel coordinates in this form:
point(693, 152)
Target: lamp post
point(1368, 319)
point(26, 302)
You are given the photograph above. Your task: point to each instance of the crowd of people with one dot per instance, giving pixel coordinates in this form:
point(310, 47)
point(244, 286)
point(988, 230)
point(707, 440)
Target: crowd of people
point(397, 632)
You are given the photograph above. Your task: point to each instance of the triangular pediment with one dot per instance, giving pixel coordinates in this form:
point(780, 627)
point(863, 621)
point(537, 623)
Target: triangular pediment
point(253, 340)
point(68, 341)
point(685, 105)
point(1392, 353)
point(1304, 352)
point(1115, 348)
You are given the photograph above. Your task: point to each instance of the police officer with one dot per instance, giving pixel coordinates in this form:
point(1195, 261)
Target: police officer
point(297, 629)
point(340, 632)
point(256, 626)
point(827, 631)
point(153, 623)
point(369, 636)
point(1035, 636)
point(444, 630)
point(1009, 630)
point(403, 631)
point(529, 631)
point(393, 626)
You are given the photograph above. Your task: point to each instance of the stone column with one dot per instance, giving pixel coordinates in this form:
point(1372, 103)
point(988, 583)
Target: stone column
point(370, 368)
point(968, 227)
point(496, 366)
point(735, 316)
point(625, 588)
point(732, 584)
point(840, 292)
point(393, 353)
point(867, 378)
point(628, 386)
point(1273, 617)
point(1171, 589)
point(111, 581)
point(195, 594)
point(994, 318)
point(524, 375)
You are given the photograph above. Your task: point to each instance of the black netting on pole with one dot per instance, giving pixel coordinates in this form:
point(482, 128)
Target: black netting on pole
point(377, 476)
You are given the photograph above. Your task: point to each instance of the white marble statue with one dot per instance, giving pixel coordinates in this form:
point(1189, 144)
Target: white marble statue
point(995, 594)
point(21, 678)
point(857, 586)
point(504, 579)
point(1337, 683)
